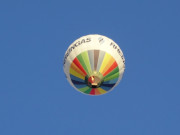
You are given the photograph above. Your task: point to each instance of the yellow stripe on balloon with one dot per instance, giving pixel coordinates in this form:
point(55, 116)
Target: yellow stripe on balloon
point(107, 57)
point(73, 72)
point(74, 67)
point(110, 62)
point(101, 90)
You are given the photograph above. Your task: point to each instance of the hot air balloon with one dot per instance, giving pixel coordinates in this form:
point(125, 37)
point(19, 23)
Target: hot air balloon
point(94, 64)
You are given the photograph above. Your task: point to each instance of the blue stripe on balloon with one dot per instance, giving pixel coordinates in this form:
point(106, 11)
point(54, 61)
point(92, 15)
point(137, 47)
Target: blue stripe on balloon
point(111, 81)
point(80, 86)
point(108, 85)
point(76, 78)
point(77, 82)
point(106, 88)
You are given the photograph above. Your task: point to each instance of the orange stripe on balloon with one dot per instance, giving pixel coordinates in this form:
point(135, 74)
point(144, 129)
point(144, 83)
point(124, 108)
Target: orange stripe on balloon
point(78, 64)
point(113, 66)
point(97, 92)
point(73, 66)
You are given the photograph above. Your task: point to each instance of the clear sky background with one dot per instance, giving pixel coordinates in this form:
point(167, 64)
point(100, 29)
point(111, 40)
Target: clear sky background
point(35, 97)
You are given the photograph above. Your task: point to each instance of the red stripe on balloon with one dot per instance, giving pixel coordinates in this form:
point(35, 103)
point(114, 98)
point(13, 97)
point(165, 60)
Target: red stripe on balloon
point(113, 66)
point(92, 92)
point(78, 64)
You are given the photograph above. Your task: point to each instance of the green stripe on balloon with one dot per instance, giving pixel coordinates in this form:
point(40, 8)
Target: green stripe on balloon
point(83, 89)
point(112, 72)
point(85, 57)
point(84, 63)
point(88, 91)
point(116, 75)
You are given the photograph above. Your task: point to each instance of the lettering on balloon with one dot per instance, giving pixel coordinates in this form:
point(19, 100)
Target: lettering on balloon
point(76, 44)
point(118, 50)
point(101, 40)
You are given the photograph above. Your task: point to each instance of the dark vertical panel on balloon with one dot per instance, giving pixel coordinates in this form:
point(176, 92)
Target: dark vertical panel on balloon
point(96, 56)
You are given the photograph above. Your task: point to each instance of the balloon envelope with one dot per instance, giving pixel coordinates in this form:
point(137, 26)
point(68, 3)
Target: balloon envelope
point(94, 64)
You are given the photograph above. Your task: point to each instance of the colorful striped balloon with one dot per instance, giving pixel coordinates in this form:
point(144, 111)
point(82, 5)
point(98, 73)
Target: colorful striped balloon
point(94, 64)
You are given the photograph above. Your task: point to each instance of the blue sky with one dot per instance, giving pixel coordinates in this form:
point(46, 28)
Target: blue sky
point(35, 97)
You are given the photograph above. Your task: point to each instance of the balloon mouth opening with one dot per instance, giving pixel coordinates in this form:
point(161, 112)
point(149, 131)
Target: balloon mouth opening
point(94, 80)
